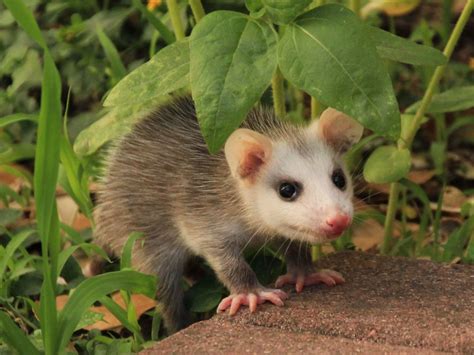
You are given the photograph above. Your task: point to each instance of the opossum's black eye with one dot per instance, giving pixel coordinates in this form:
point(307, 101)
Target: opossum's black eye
point(289, 190)
point(338, 179)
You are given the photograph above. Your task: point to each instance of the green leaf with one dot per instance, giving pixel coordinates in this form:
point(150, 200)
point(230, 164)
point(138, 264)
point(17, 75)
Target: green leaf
point(73, 173)
point(16, 152)
point(17, 117)
point(205, 295)
point(166, 72)
point(126, 258)
point(118, 69)
point(94, 289)
point(387, 164)
point(404, 50)
point(25, 19)
point(15, 337)
point(9, 216)
point(459, 123)
point(233, 58)
point(458, 240)
point(114, 124)
point(11, 248)
point(470, 250)
point(456, 99)
point(119, 313)
point(438, 155)
point(254, 6)
point(283, 12)
point(88, 318)
point(47, 147)
point(325, 52)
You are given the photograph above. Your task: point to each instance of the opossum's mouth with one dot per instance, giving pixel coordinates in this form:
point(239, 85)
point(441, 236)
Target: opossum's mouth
point(314, 235)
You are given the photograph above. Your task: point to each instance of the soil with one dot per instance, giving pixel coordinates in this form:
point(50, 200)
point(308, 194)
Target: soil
point(387, 305)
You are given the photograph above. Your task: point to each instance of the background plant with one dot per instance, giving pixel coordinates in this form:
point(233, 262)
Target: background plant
point(52, 81)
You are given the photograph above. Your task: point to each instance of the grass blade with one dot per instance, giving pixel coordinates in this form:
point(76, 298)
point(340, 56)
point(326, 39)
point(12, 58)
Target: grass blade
point(10, 249)
point(96, 288)
point(118, 69)
point(26, 20)
point(17, 117)
point(156, 22)
point(13, 335)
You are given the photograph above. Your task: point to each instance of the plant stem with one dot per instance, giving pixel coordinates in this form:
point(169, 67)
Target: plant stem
point(316, 252)
point(197, 9)
point(278, 91)
point(355, 7)
point(390, 218)
point(173, 10)
point(408, 140)
point(448, 51)
point(315, 107)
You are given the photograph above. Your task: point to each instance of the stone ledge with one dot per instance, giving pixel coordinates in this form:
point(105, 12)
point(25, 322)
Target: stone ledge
point(387, 305)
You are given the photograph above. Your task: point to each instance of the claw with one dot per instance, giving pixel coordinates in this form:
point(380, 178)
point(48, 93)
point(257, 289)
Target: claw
point(234, 301)
point(328, 277)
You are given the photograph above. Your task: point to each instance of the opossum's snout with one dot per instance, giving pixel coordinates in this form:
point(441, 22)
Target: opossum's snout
point(336, 224)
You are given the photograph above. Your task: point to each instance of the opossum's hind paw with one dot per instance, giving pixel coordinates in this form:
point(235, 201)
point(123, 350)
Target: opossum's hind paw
point(328, 277)
point(252, 299)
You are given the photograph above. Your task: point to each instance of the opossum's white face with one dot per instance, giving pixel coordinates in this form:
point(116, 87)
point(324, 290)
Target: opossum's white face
point(299, 190)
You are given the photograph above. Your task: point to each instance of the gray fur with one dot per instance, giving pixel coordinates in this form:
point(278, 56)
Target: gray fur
point(162, 181)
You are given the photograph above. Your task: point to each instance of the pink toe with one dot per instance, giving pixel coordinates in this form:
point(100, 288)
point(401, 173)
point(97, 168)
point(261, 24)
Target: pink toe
point(253, 299)
point(283, 280)
point(236, 303)
point(272, 297)
point(224, 304)
point(299, 283)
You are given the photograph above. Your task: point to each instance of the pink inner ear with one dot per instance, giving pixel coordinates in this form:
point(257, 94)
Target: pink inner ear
point(251, 163)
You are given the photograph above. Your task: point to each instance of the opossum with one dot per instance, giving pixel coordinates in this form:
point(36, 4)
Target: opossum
point(273, 181)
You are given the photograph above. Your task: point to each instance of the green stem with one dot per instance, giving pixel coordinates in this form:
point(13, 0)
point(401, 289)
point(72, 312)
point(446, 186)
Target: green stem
point(355, 7)
point(408, 140)
point(448, 51)
point(197, 9)
point(173, 10)
point(278, 91)
point(390, 218)
point(316, 252)
point(315, 107)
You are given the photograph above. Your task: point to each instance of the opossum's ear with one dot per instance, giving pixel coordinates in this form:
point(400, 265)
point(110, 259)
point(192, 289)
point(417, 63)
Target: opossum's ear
point(247, 152)
point(337, 129)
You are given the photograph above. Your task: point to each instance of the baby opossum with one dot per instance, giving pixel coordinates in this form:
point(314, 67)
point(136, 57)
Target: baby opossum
point(273, 180)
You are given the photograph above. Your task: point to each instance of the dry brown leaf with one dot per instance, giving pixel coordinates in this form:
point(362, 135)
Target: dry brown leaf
point(453, 200)
point(367, 235)
point(141, 303)
point(421, 176)
point(81, 222)
point(67, 209)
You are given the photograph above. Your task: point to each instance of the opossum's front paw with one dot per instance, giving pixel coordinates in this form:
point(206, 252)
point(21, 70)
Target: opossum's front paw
point(328, 277)
point(251, 300)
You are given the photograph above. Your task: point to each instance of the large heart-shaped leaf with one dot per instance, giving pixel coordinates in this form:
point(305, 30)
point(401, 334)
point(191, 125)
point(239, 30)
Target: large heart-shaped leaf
point(114, 124)
point(166, 72)
point(403, 50)
point(233, 58)
point(327, 53)
point(387, 164)
point(284, 11)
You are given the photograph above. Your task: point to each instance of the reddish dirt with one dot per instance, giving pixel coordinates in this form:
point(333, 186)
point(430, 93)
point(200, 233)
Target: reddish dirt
point(387, 305)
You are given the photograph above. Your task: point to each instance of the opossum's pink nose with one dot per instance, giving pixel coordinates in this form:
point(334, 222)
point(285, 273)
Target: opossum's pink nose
point(337, 224)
